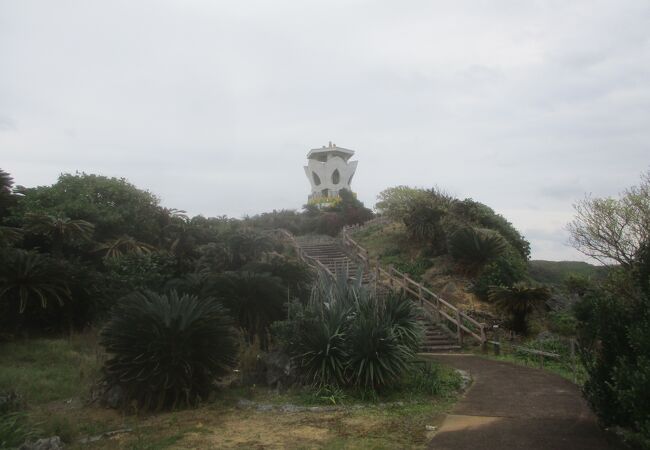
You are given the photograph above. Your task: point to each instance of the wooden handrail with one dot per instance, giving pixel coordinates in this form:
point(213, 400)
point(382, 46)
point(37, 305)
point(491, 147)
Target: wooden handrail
point(399, 280)
point(304, 257)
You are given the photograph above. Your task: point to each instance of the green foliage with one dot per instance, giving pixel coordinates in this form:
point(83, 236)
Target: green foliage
point(47, 370)
point(7, 199)
point(14, 430)
point(563, 323)
point(395, 202)
point(10, 236)
point(166, 350)
point(424, 222)
point(469, 231)
point(134, 270)
point(113, 205)
point(475, 247)
point(59, 230)
point(327, 220)
point(556, 273)
point(614, 318)
point(482, 216)
point(431, 379)
point(506, 270)
point(347, 336)
point(614, 333)
point(27, 277)
point(124, 245)
point(613, 230)
point(518, 302)
point(256, 300)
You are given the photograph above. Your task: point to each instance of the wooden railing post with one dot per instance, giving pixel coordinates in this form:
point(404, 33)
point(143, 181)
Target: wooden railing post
point(459, 330)
point(390, 275)
point(420, 294)
point(405, 282)
point(483, 339)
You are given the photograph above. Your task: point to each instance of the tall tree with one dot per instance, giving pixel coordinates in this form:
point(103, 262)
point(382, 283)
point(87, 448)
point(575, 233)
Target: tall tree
point(612, 230)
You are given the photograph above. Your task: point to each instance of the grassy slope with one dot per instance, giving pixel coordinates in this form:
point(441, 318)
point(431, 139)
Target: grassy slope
point(554, 272)
point(54, 377)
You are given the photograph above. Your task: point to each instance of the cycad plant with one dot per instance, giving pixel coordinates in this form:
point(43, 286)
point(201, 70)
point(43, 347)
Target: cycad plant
point(59, 230)
point(28, 277)
point(474, 247)
point(167, 350)
point(518, 302)
point(124, 245)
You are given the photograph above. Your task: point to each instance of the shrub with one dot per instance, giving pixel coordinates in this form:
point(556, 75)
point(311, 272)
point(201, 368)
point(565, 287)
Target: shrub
point(347, 336)
point(483, 216)
point(614, 337)
point(474, 247)
point(505, 270)
point(518, 302)
point(166, 350)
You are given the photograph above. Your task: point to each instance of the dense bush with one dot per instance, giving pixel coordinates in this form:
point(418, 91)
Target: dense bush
point(506, 270)
point(518, 302)
point(614, 334)
point(483, 216)
point(475, 247)
point(167, 350)
point(347, 336)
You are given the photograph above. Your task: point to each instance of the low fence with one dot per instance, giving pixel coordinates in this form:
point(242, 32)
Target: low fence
point(442, 311)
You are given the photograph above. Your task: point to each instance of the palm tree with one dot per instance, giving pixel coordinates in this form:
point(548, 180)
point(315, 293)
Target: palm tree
point(59, 229)
point(124, 245)
point(518, 302)
point(29, 277)
point(9, 235)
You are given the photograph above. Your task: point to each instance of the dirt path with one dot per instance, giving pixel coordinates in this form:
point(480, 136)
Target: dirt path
point(513, 407)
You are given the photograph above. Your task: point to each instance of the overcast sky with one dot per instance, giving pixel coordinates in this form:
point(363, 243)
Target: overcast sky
point(213, 105)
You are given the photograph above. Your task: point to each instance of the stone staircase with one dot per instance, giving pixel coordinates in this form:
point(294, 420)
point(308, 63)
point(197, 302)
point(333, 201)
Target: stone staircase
point(330, 252)
point(436, 338)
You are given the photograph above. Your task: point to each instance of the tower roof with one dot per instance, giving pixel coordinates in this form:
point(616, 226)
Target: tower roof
point(332, 149)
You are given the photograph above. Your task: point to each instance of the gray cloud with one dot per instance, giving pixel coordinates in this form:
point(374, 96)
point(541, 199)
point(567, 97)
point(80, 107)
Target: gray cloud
point(213, 105)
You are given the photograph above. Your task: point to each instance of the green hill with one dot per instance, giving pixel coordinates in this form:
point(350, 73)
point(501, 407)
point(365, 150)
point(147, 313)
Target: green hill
point(554, 272)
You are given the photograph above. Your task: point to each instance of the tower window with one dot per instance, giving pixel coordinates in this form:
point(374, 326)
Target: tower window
point(336, 176)
point(316, 178)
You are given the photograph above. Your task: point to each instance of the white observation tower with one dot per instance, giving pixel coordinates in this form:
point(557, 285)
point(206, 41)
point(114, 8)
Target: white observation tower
point(329, 170)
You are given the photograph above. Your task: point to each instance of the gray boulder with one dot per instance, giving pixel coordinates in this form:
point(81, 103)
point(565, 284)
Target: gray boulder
point(51, 443)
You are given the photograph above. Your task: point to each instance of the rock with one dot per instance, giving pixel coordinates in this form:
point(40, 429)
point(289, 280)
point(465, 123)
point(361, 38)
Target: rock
point(243, 403)
point(51, 443)
point(113, 397)
point(278, 369)
point(431, 428)
point(466, 379)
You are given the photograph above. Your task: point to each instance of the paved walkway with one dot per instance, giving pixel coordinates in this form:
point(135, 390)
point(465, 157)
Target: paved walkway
point(513, 407)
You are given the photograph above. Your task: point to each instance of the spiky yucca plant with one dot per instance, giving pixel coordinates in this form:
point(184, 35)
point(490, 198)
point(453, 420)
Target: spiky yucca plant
point(167, 350)
point(348, 336)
